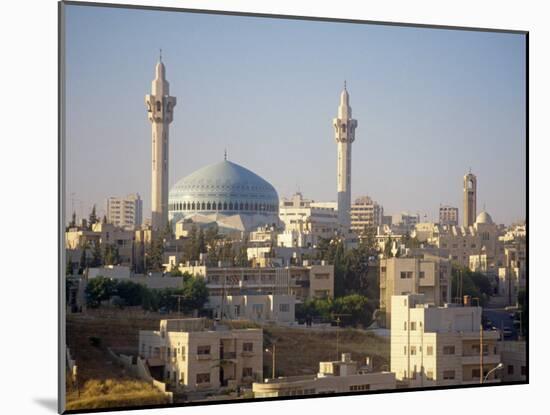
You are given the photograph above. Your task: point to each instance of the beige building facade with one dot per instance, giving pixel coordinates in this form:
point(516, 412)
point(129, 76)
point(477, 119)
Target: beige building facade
point(191, 357)
point(302, 282)
point(125, 212)
point(440, 346)
point(365, 213)
point(430, 276)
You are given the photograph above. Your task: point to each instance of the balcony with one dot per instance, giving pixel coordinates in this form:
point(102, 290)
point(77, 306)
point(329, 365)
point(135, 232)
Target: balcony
point(247, 353)
point(229, 355)
point(204, 356)
point(487, 359)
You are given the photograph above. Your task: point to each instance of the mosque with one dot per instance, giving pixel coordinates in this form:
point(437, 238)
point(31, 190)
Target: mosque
point(226, 193)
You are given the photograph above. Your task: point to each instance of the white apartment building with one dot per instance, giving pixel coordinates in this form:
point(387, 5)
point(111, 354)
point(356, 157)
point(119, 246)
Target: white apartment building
point(365, 213)
point(278, 309)
point(125, 212)
point(430, 276)
point(340, 376)
point(448, 216)
point(191, 357)
point(440, 346)
point(305, 216)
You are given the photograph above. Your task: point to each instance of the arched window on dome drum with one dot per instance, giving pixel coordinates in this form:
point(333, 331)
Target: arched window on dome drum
point(193, 206)
point(224, 205)
point(246, 206)
point(255, 206)
point(203, 206)
point(219, 205)
point(241, 206)
point(208, 206)
point(230, 205)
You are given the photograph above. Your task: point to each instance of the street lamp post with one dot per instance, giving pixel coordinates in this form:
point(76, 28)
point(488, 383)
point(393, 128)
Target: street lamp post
point(497, 367)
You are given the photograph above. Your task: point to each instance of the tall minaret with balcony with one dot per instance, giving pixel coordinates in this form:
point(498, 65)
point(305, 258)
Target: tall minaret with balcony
point(160, 110)
point(344, 132)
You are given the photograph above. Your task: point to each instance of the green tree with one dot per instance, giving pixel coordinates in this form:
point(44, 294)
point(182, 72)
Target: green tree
point(474, 284)
point(83, 263)
point(99, 289)
point(131, 292)
point(195, 293)
point(104, 221)
point(69, 270)
point(92, 219)
point(97, 258)
point(111, 255)
point(155, 254)
point(72, 223)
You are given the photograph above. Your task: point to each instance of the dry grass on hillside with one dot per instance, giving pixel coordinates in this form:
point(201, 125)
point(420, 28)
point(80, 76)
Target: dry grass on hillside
point(299, 351)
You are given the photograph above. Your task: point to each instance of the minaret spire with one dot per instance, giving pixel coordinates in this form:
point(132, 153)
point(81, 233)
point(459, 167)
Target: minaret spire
point(344, 133)
point(160, 111)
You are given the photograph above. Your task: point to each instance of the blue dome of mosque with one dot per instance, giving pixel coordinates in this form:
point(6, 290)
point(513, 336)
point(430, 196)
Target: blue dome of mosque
point(223, 188)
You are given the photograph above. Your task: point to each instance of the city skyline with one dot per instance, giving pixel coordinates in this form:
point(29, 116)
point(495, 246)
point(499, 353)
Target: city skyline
point(225, 104)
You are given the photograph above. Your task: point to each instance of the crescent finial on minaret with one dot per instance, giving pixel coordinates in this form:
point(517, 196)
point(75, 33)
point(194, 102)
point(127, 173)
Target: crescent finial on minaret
point(160, 55)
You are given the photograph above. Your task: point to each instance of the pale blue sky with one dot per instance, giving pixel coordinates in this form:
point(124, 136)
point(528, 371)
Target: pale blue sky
point(430, 104)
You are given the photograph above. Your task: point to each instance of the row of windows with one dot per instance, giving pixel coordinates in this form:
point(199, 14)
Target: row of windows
point(261, 207)
point(354, 388)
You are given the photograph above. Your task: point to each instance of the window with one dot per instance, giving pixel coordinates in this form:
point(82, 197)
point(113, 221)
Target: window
point(356, 388)
point(406, 275)
point(203, 350)
point(158, 105)
point(247, 372)
point(524, 371)
point(248, 347)
point(405, 350)
point(405, 325)
point(421, 274)
point(510, 369)
point(430, 350)
point(321, 276)
point(413, 350)
point(168, 352)
point(448, 350)
point(475, 373)
point(448, 374)
point(182, 378)
point(430, 375)
point(413, 325)
point(382, 269)
point(203, 378)
point(284, 308)
point(182, 352)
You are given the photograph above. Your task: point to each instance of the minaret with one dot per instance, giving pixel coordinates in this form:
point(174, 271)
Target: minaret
point(470, 196)
point(344, 133)
point(160, 107)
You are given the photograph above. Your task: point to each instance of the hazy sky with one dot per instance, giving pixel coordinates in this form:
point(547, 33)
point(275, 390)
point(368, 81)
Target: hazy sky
point(430, 104)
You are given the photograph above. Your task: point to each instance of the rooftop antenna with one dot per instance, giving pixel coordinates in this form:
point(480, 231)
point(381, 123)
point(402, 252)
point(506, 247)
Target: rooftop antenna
point(225, 154)
point(160, 55)
point(345, 85)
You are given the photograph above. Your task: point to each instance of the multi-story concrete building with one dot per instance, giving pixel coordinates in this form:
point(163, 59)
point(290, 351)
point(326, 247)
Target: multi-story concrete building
point(77, 239)
point(344, 134)
point(125, 212)
point(448, 216)
point(278, 308)
point(340, 376)
point(306, 217)
point(461, 242)
point(430, 276)
point(440, 346)
point(514, 361)
point(404, 221)
point(302, 282)
point(365, 213)
point(191, 357)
